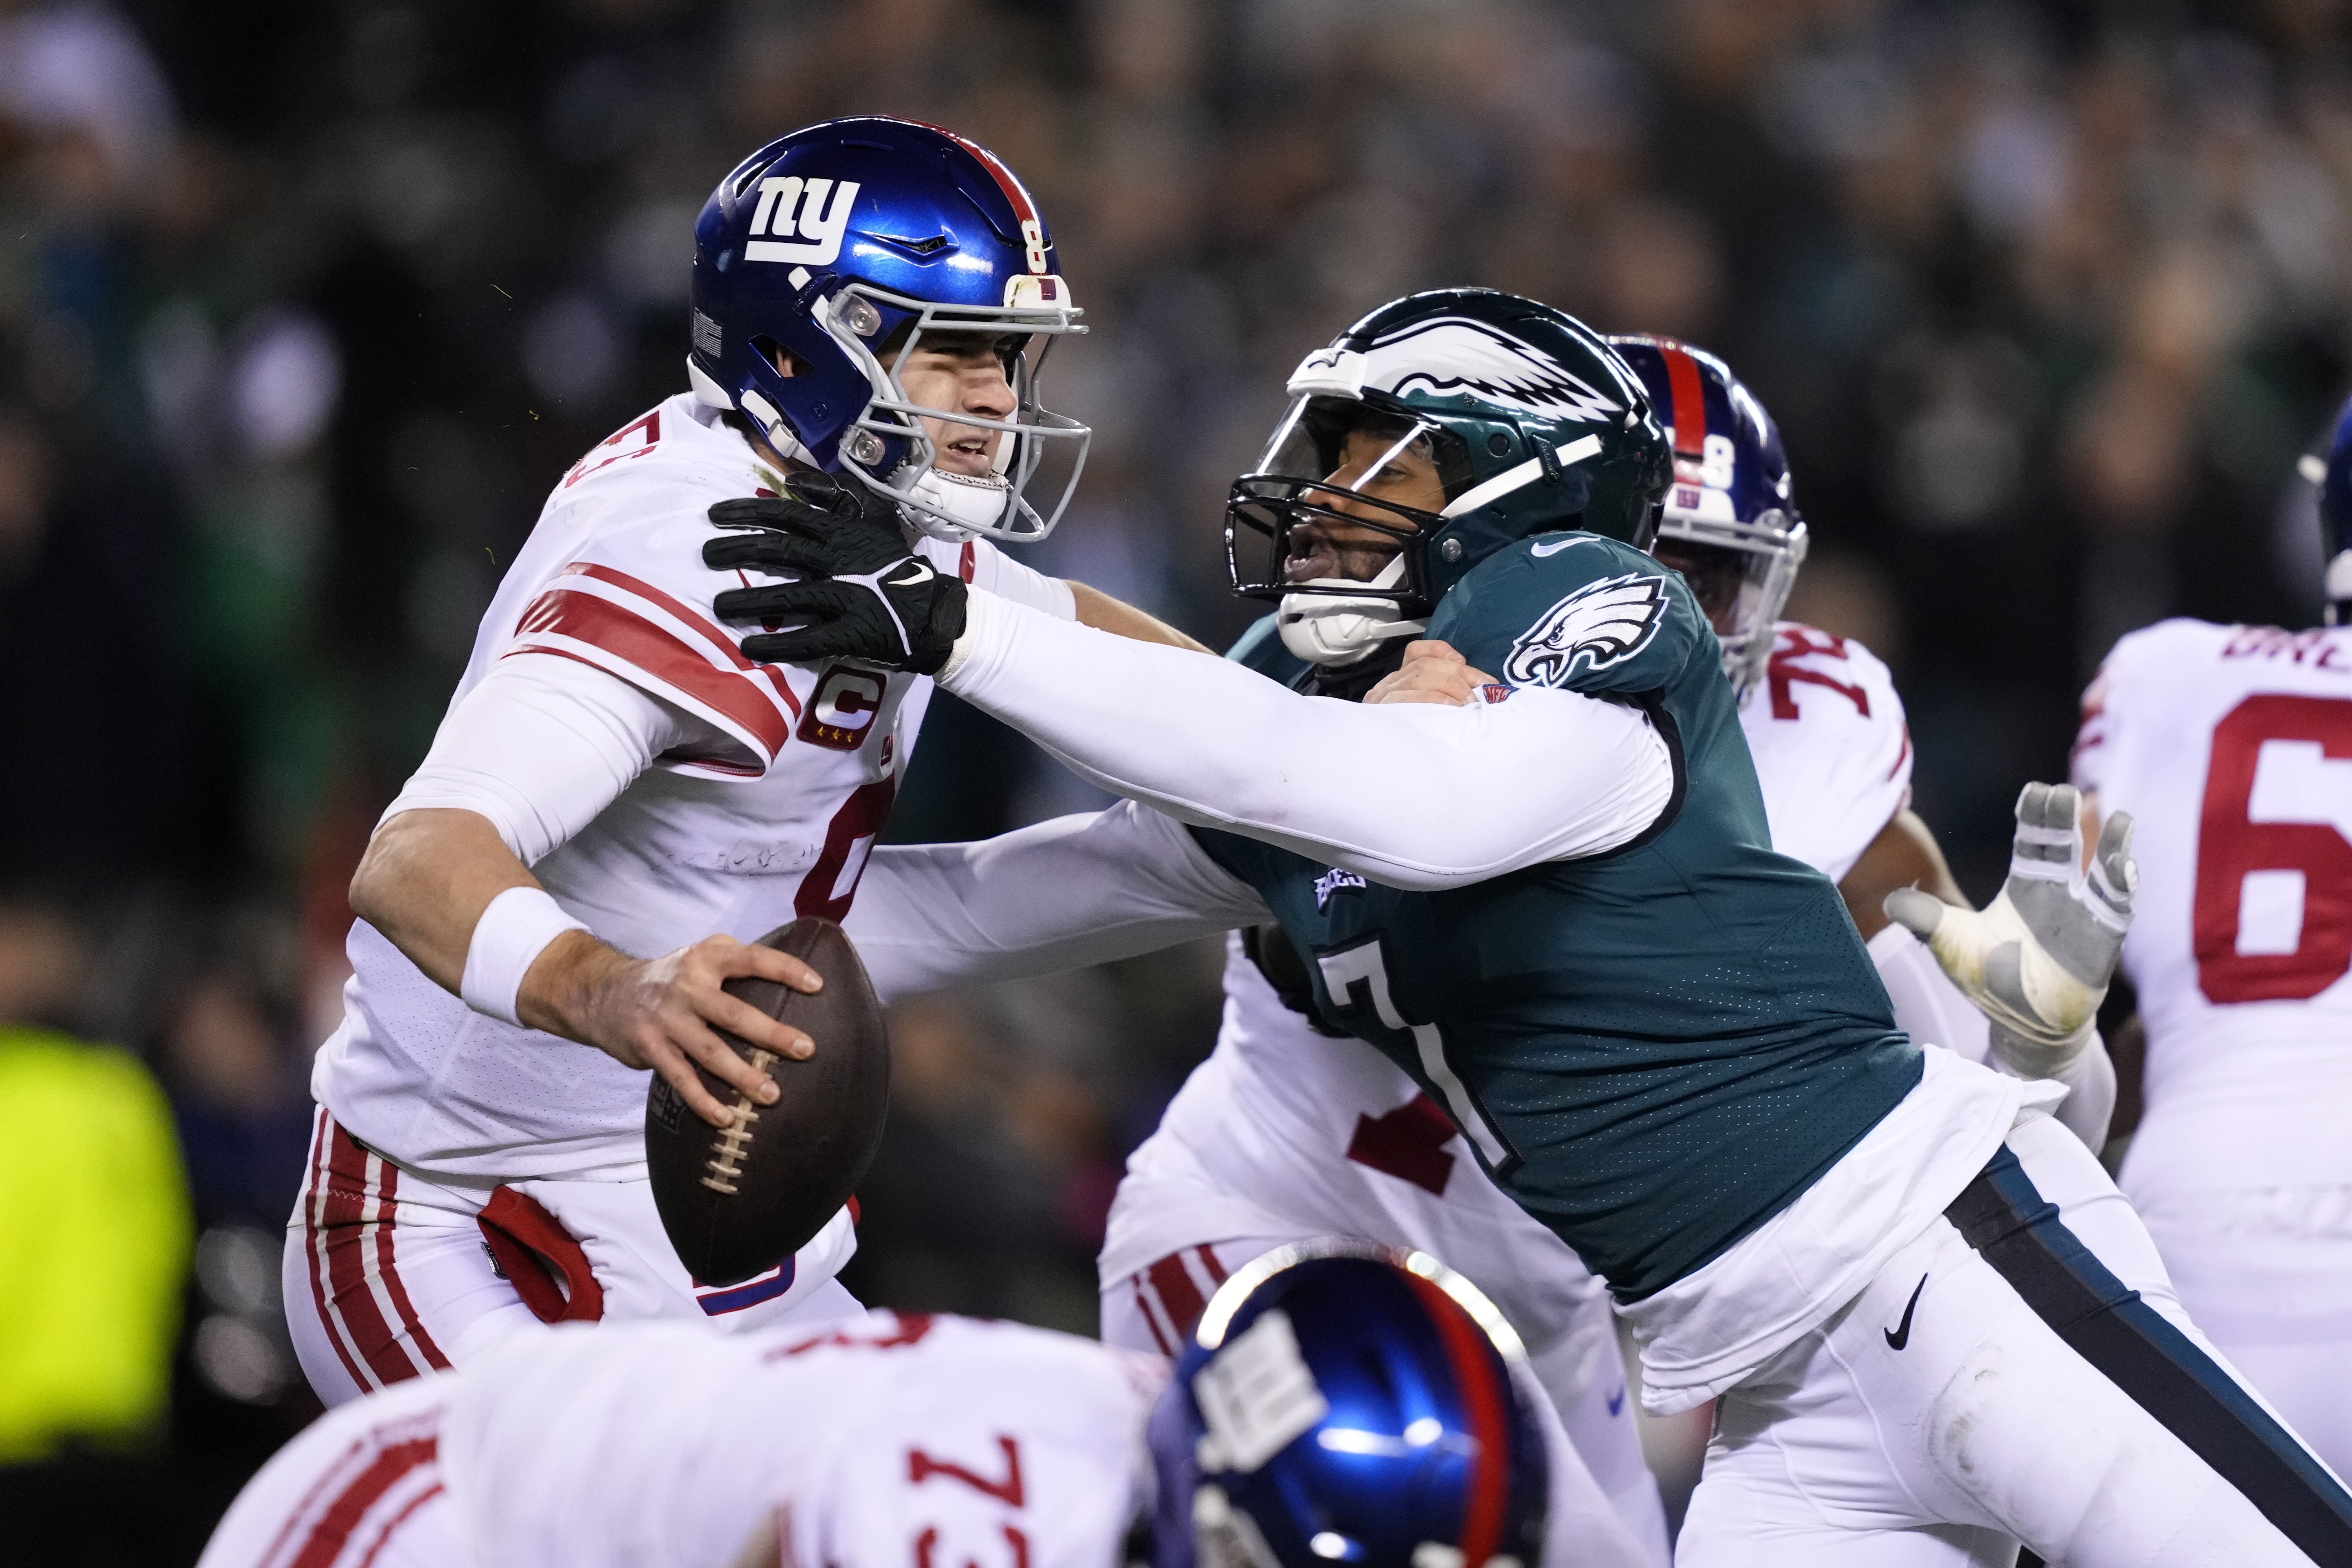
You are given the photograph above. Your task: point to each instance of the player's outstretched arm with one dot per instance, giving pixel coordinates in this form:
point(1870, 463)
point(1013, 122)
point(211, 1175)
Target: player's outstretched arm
point(1421, 796)
point(2038, 962)
point(1105, 613)
point(822, 531)
point(1064, 894)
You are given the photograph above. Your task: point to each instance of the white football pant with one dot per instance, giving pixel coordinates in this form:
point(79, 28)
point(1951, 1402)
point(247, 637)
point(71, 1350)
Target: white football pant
point(1954, 1408)
point(388, 1277)
point(2268, 1276)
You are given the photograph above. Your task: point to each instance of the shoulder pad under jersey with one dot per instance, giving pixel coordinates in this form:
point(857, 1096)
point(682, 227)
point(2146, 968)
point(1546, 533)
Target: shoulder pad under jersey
point(1575, 611)
point(633, 596)
point(1832, 746)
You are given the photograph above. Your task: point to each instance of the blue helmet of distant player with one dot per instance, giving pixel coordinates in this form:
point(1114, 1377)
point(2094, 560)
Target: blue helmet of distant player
point(1529, 420)
point(827, 260)
point(1347, 1404)
point(2333, 475)
point(1730, 525)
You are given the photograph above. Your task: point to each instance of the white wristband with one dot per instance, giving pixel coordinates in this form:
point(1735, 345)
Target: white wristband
point(512, 933)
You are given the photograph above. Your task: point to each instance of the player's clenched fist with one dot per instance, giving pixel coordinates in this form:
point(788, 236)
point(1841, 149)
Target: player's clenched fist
point(664, 1012)
point(1431, 673)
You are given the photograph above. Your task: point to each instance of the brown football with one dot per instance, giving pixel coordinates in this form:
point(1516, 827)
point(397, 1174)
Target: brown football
point(738, 1201)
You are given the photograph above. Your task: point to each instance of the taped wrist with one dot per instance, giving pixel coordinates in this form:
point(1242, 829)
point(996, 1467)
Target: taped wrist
point(514, 930)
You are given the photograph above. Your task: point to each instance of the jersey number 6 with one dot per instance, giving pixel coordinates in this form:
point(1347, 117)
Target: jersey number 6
point(2234, 848)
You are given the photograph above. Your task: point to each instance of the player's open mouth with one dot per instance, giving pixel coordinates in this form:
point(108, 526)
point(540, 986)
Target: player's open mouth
point(1320, 561)
point(965, 454)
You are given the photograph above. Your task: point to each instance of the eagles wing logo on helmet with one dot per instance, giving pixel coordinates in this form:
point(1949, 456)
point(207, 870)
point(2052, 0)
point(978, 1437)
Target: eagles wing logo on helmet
point(1453, 355)
point(1600, 625)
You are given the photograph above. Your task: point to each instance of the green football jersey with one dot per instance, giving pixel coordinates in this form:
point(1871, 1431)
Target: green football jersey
point(1654, 1049)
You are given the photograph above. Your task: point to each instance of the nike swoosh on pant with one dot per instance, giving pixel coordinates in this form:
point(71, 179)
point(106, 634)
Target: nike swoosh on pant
point(1900, 1334)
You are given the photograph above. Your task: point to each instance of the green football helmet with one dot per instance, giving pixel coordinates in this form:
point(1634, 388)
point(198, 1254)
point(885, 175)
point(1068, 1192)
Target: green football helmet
point(1532, 424)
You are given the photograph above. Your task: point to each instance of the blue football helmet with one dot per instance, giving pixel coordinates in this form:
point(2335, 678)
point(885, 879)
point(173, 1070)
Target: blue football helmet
point(2333, 475)
point(836, 251)
point(1730, 526)
point(1348, 1403)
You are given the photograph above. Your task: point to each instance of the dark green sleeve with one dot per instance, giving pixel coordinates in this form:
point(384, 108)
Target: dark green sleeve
point(1231, 851)
point(1576, 611)
point(1260, 648)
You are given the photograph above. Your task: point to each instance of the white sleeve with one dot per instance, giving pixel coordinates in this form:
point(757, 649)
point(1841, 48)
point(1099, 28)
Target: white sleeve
point(539, 746)
point(1933, 1011)
point(1060, 895)
point(997, 573)
point(1417, 795)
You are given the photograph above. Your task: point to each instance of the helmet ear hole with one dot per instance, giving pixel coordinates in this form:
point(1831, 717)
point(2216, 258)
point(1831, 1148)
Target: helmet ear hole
point(786, 363)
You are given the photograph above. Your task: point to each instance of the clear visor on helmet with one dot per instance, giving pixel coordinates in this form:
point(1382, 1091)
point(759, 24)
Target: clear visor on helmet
point(1740, 574)
point(967, 470)
point(1341, 491)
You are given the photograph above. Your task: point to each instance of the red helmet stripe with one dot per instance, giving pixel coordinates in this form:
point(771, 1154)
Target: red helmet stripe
point(1480, 1384)
point(1024, 209)
point(1690, 399)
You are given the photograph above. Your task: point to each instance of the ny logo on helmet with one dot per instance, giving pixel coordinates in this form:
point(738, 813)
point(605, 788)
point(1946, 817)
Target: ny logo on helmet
point(1600, 624)
point(789, 205)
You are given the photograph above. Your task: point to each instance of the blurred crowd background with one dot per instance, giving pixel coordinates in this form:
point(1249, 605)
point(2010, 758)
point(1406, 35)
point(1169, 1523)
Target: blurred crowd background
point(304, 306)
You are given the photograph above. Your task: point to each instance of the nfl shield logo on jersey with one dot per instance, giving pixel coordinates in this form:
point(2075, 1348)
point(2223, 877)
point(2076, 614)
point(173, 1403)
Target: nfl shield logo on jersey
point(1600, 625)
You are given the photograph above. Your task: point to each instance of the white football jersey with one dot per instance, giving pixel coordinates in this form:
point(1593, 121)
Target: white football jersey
point(1277, 1127)
point(2231, 747)
point(1831, 747)
point(769, 817)
point(884, 1441)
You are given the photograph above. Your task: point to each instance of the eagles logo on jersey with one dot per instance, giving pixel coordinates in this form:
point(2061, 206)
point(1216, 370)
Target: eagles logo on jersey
point(1600, 624)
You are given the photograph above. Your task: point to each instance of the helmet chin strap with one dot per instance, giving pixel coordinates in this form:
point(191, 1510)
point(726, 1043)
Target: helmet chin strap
point(970, 502)
point(1340, 628)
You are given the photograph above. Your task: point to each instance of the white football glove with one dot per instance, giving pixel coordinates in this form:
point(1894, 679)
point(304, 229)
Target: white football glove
point(2037, 962)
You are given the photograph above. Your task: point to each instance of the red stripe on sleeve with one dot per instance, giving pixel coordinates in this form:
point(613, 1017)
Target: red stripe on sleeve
point(722, 642)
point(644, 646)
point(1690, 400)
point(334, 1531)
point(392, 1526)
point(1172, 1282)
point(1143, 1310)
point(1480, 1382)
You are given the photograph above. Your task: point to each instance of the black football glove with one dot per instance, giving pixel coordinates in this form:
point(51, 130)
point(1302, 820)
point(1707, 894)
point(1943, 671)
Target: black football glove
point(864, 595)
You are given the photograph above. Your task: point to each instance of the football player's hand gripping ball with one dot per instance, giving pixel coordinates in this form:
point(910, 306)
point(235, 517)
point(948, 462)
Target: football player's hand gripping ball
point(2037, 962)
point(863, 593)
